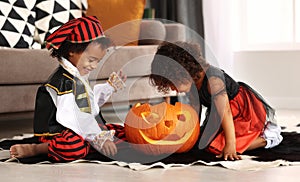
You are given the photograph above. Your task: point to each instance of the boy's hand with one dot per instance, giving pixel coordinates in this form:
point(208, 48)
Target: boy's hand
point(117, 81)
point(109, 148)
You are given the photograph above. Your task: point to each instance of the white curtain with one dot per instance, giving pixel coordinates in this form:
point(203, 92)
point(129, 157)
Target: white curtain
point(218, 28)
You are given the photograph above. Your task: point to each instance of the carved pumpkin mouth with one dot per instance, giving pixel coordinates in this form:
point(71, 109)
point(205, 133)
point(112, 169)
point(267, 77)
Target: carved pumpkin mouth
point(167, 141)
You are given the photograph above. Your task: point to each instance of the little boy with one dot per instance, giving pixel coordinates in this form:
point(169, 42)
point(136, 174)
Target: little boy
point(66, 106)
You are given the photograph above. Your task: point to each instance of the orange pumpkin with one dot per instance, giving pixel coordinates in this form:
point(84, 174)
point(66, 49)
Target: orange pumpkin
point(162, 128)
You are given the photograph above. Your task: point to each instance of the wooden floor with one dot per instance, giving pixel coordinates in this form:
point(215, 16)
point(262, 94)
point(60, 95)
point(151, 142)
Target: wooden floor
point(89, 172)
point(95, 172)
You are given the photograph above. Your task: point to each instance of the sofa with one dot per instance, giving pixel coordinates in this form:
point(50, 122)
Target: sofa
point(22, 71)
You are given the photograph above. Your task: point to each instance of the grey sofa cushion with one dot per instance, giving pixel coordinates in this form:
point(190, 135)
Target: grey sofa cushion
point(25, 66)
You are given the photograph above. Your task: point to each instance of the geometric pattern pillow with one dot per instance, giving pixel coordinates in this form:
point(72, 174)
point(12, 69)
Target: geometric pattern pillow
point(17, 23)
point(51, 14)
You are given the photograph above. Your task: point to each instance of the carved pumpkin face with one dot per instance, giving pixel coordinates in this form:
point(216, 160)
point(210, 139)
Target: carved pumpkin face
point(162, 128)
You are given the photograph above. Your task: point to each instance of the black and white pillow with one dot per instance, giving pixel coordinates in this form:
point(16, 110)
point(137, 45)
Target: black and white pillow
point(17, 28)
point(51, 14)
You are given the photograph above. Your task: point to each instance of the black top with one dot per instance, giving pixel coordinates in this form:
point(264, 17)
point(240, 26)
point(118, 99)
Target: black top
point(232, 87)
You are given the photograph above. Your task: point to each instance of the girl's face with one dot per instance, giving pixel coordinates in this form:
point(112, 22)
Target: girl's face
point(182, 87)
point(88, 60)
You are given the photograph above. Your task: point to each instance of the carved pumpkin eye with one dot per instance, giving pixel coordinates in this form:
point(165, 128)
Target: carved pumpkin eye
point(150, 117)
point(181, 117)
point(184, 116)
point(168, 123)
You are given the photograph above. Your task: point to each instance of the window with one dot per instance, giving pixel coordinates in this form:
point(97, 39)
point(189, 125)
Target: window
point(267, 24)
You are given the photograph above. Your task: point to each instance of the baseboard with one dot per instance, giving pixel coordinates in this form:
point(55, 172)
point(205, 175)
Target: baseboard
point(284, 102)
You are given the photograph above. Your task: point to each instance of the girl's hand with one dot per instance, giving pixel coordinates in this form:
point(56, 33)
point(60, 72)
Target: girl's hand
point(229, 152)
point(109, 148)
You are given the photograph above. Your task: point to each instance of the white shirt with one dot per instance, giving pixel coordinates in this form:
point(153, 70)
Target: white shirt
point(68, 113)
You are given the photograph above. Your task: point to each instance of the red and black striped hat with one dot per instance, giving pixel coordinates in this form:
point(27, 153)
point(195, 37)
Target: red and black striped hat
point(79, 30)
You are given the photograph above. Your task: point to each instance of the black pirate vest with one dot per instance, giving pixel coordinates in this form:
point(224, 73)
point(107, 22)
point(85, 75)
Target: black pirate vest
point(45, 123)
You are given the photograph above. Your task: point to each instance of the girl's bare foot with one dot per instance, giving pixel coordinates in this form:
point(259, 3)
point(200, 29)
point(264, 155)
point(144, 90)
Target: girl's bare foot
point(28, 150)
point(257, 143)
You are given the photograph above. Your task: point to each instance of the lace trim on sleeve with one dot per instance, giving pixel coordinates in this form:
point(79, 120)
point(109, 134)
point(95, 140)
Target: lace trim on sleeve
point(101, 138)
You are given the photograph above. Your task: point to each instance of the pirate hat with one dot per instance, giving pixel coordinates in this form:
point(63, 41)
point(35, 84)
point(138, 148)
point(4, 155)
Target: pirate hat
point(79, 30)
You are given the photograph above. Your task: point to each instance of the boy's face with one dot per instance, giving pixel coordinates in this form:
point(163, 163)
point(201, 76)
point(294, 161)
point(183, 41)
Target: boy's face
point(88, 60)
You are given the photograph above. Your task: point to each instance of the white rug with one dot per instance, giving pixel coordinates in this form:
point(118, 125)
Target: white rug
point(246, 164)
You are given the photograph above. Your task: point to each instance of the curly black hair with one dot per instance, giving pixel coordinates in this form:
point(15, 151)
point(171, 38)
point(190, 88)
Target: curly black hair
point(176, 63)
point(67, 47)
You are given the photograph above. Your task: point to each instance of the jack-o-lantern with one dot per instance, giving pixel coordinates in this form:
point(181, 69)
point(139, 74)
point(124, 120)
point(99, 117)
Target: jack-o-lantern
point(162, 128)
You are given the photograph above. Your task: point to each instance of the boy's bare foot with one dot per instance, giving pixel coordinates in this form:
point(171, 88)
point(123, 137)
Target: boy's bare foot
point(28, 150)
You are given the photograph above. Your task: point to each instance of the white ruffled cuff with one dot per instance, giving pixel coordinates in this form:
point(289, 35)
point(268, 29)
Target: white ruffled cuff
point(101, 138)
point(116, 82)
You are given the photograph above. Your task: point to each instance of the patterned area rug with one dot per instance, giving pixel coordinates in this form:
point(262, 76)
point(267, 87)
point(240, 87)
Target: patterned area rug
point(287, 153)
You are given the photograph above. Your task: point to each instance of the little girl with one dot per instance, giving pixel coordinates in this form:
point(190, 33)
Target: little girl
point(237, 118)
point(66, 119)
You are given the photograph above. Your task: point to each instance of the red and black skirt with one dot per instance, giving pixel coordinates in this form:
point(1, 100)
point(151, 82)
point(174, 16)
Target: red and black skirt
point(249, 116)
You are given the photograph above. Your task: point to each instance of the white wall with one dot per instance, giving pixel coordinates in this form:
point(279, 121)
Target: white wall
point(274, 74)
